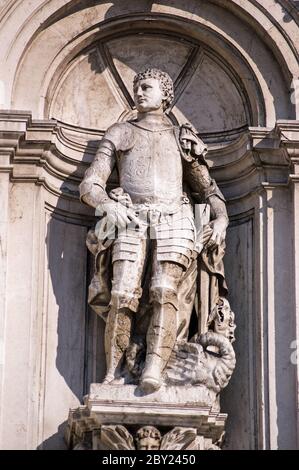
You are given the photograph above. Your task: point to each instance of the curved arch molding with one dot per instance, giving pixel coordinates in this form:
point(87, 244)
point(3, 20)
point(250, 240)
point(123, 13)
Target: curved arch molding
point(256, 43)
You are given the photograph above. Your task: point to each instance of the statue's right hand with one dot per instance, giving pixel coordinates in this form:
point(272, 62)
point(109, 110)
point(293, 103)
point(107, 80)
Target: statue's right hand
point(116, 213)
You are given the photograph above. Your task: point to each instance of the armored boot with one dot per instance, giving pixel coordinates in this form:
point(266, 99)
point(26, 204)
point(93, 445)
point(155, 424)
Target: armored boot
point(117, 338)
point(160, 339)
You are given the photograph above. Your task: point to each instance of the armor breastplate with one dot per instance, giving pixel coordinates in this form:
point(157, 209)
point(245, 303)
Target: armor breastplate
point(151, 171)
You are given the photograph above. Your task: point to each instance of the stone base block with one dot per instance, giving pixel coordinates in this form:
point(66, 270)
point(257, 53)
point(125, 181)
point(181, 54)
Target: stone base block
point(121, 417)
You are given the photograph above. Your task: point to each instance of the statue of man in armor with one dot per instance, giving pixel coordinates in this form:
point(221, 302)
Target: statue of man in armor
point(156, 239)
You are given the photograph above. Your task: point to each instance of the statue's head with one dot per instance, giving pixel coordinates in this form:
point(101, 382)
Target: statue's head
point(153, 89)
point(148, 438)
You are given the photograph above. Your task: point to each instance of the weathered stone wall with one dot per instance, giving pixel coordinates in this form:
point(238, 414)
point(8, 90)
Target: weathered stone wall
point(65, 76)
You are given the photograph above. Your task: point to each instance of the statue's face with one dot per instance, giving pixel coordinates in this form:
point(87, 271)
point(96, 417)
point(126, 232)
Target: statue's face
point(149, 443)
point(148, 95)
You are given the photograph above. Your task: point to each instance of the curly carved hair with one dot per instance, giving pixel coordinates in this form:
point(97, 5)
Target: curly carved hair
point(165, 80)
point(148, 431)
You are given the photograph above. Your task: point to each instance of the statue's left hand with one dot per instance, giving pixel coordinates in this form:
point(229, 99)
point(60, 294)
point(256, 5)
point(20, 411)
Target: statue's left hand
point(218, 226)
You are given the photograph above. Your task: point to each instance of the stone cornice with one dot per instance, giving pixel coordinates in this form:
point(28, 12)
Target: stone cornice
point(288, 132)
point(56, 155)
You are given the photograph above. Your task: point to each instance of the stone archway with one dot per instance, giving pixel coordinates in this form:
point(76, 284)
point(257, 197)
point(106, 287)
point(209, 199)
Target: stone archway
point(207, 94)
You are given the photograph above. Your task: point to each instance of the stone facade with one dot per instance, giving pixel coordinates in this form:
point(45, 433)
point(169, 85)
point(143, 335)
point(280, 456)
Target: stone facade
point(65, 76)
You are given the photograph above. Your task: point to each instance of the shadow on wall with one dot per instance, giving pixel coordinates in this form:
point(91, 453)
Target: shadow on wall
point(283, 398)
point(238, 399)
point(287, 17)
point(55, 442)
point(74, 343)
point(250, 397)
point(117, 7)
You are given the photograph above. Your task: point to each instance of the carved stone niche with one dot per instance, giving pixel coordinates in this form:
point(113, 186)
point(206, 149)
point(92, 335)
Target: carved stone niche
point(117, 417)
point(191, 365)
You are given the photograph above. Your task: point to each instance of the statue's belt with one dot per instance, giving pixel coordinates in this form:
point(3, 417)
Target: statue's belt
point(161, 209)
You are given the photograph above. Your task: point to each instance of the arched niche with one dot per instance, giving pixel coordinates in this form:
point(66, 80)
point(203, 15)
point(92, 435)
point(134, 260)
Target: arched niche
point(230, 33)
point(95, 89)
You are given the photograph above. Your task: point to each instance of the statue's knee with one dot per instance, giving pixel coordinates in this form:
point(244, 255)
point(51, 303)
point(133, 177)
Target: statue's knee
point(121, 300)
point(164, 295)
point(123, 297)
point(122, 341)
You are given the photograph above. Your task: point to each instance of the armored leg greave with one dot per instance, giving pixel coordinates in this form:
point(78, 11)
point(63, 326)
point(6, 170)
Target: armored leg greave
point(117, 338)
point(161, 338)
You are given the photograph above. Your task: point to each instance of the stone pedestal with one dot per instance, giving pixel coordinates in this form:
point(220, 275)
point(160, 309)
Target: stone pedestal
point(115, 415)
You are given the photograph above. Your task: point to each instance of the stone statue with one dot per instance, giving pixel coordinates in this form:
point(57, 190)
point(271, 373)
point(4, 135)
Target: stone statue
point(154, 251)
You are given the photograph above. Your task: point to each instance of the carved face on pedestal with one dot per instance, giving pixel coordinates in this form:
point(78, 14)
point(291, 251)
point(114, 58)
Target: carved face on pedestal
point(148, 95)
point(148, 443)
point(148, 438)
